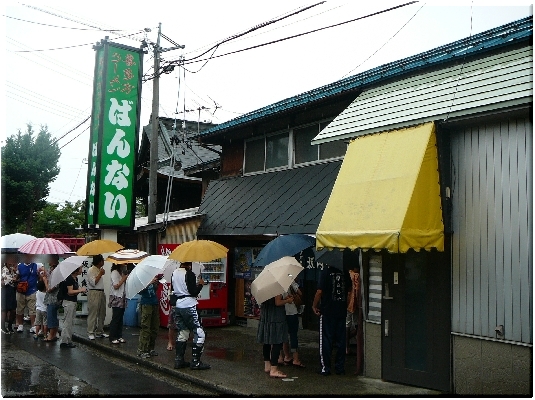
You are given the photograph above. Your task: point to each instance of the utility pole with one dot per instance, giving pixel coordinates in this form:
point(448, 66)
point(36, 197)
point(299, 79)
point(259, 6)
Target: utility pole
point(155, 122)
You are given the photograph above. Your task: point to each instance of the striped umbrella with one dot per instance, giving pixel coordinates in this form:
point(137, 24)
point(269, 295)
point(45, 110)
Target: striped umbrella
point(127, 256)
point(44, 246)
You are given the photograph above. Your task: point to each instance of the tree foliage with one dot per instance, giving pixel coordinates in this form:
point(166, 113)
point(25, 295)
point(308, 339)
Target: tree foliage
point(29, 165)
point(56, 218)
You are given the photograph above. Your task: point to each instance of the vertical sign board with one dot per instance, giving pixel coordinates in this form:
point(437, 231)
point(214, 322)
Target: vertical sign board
point(110, 200)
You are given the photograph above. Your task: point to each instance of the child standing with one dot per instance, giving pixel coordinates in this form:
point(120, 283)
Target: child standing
point(40, 311)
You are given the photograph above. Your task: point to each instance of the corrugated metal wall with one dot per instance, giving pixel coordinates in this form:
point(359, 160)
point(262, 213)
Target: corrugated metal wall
point(176, 233)
point(492, 261)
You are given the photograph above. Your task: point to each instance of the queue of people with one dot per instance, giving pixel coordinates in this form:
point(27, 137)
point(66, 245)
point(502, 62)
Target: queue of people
point(336, 302)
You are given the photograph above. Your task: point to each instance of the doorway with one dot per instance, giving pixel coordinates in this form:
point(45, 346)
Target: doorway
point(416, 319)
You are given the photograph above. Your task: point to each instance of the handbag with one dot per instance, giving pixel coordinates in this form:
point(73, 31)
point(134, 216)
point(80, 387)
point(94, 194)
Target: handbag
point(22, 287)
point(298, 301)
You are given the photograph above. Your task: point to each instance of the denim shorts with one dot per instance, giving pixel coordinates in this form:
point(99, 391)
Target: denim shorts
point(52, 316)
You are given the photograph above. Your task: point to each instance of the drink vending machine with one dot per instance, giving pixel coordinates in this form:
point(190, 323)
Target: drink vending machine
point(212, 299)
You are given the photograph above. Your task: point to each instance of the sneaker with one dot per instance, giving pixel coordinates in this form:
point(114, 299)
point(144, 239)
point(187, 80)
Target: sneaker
point(144, 355)
point(91, 337)
point(35, 337)
point(5, 331)
point(26, 318)
point(20, 329)
point(102, 335)
point(32, 329)
point(153, 353)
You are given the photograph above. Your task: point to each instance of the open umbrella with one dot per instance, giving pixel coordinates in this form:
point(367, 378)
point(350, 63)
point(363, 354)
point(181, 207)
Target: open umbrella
point(199, 250)
point(286, 245)
point(65, 268)
point(44, 246)
point(11, 243)
point(99, 246)
point(143, 274)
point(275, 278)
point(127, 256)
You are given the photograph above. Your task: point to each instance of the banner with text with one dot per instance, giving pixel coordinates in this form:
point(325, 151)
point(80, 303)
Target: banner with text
point(113, 142)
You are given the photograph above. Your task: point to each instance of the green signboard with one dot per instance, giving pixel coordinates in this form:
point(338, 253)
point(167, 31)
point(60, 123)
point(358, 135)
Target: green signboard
point(113, 140)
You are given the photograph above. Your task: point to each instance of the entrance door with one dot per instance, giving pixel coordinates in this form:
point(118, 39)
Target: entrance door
point(416, 320)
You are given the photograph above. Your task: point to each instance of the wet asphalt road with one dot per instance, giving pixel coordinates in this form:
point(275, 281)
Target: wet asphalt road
point(35, 368)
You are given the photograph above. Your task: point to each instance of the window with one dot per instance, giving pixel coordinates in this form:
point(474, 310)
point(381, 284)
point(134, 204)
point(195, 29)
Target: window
point(255, 155)
point(305, 152)
point(277, 151)
point(267, 152)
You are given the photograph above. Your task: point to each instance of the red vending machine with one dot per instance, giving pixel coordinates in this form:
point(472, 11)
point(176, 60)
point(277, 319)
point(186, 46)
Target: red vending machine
point(213, 297)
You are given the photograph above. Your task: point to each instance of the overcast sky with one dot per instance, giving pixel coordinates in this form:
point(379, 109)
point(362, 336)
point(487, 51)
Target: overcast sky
point(49, 59)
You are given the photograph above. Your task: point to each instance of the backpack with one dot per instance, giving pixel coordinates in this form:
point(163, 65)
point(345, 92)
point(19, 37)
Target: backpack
point(63, 291)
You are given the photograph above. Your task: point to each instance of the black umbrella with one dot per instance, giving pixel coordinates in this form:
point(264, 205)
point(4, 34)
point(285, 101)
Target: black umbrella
point(334, 258)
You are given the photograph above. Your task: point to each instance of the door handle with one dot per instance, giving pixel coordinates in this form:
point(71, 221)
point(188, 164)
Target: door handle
point(386, 327)
point(387, 293)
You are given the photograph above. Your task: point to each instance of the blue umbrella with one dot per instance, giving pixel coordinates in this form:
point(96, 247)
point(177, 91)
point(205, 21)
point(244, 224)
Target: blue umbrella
point(286, 245)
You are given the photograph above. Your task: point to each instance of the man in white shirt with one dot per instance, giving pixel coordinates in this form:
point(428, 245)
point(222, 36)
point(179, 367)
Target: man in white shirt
point(186, 289)
point(96, 299)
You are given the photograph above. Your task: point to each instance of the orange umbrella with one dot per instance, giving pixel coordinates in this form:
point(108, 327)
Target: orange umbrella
point(199, 250)
point(99, 246)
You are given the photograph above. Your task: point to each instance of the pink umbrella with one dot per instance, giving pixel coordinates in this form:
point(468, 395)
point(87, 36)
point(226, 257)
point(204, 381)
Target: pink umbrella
point(44, 246)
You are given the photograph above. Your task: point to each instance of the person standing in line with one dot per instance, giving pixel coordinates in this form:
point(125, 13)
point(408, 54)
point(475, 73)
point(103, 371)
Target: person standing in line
point(117, 302)
point(9, 298)
point(150, 319)
point(331, 295)
point(70, 301)
point(171, 325)
point(96, 299)
point(290, 355)
point(186, 317)
point(41, 325)
point(272, 331)
point(26, 272)
point(52, 304)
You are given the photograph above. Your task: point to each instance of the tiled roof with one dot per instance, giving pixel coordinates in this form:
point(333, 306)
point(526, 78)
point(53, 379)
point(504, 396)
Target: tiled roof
point(292, 201)
point(505, 35)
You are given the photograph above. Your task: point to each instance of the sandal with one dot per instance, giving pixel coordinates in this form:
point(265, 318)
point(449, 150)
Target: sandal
point(278, 374)
point(300, 365)
point(121, 340)
point(288, 363)
point(115, 341)
point(170, 347)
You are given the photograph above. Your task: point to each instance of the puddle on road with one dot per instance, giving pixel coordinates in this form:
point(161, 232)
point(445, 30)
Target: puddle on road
point(40, 381)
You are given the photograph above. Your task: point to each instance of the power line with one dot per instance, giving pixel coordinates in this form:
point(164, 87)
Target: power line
point(193, 60)
point(63, 27)
point(69, 47)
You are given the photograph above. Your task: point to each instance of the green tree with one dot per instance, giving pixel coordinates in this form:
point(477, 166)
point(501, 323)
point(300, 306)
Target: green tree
point(29, 165)
point(59, 218)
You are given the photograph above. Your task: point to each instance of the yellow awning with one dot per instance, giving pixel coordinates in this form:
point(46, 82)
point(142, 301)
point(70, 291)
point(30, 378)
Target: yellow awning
point(386, 195)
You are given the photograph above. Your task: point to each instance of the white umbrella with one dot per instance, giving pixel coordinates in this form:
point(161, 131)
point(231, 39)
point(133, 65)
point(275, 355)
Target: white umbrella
point(275, 278)
point(13, 241)
point(143, 273)
point(65, 268)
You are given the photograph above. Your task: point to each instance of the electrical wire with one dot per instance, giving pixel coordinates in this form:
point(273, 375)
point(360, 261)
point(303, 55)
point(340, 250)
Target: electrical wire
point(392, 37)
point(463, 63)
point(194, 60)
point(77, 126)
point(69, 47)
point(74, 137)
point(63, 27)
